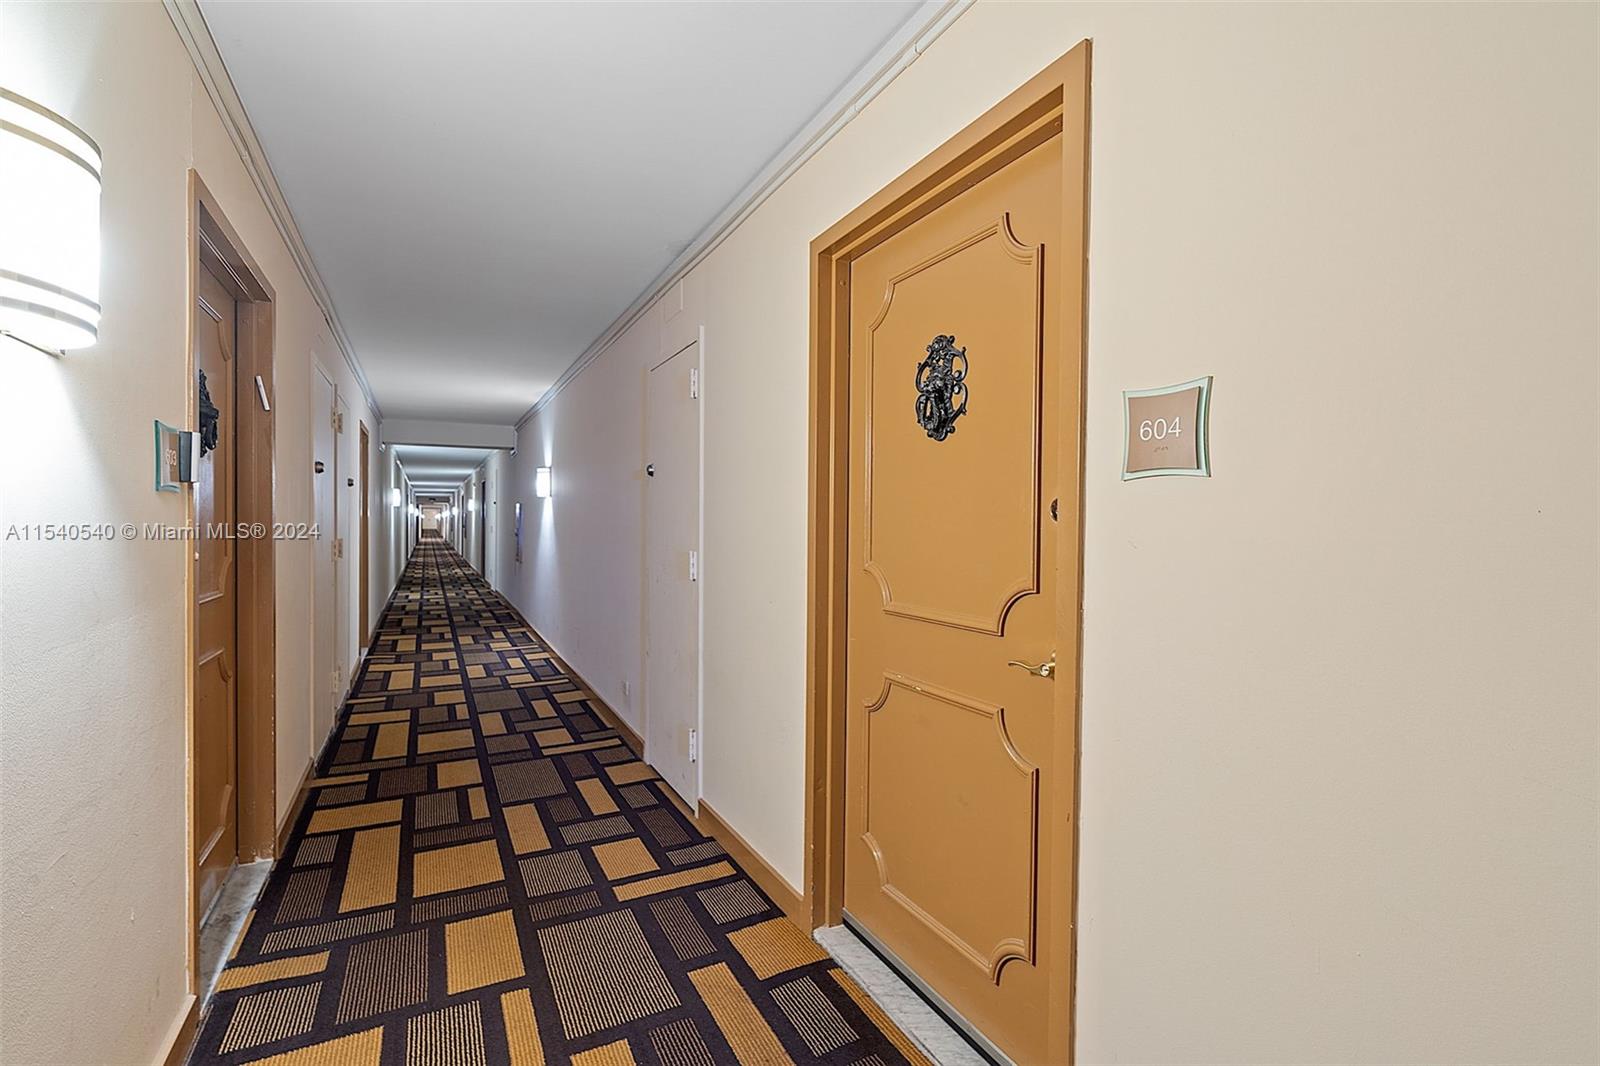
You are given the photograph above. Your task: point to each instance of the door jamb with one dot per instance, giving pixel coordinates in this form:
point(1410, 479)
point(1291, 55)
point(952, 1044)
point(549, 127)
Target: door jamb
point(1056, 101)
point(214, 244)
point(483, 523)
point(364, 467)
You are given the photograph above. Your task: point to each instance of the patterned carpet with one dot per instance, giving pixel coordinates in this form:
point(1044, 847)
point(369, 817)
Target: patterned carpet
point(484, 873)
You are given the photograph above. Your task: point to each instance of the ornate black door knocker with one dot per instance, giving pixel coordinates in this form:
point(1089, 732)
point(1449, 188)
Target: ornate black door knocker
point(208, 418)
point(941, 387)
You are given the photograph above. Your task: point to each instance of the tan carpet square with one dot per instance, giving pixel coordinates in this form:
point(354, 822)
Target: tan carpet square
point(616, 1053)
point(597, 796)
point(747, 1032)
point(335, 818)
point(359, 1049)
point(458, 773)
point(482, 951)
point(668, 882)
point(551, 737)
point(392, 740)
point(624, 858)
point(771, 947)
point(462, 866)
point(372, 875)
point(446, 740)
point(526, 829)
point(277, 970)
point(629, 772)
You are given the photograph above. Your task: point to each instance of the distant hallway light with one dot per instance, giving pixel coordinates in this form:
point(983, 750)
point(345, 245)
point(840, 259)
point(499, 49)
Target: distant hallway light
point(541, 482)
point(49, 227)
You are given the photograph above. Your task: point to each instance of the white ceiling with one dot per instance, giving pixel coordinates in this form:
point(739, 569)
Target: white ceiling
point(484, 187)
point(438, 469)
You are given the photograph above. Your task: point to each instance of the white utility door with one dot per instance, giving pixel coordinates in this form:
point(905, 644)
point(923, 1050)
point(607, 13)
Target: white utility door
point(671, 566)
point(324, 572)
point(346, 527)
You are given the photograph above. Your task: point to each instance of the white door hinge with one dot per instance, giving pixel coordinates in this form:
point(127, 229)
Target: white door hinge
point(338, 547)
point(694, 565)
point(694, 745)
point(694, 383)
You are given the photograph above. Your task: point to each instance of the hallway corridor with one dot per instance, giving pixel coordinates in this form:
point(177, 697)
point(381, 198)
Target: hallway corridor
point(484, 873)
point(722, 532)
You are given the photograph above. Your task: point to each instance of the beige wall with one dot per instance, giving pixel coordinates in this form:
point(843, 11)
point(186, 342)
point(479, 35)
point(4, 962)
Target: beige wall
point(1339, 701)
point(581, 573)
point(93, 860)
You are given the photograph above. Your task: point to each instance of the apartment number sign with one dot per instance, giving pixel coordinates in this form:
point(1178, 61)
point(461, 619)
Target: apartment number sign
point(1168, 431)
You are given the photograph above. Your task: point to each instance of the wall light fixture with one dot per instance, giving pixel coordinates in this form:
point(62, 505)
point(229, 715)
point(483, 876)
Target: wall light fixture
point(49, 228)
point(541, 482)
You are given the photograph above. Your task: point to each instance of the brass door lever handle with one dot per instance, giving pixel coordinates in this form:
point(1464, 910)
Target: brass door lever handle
point(1044, 669)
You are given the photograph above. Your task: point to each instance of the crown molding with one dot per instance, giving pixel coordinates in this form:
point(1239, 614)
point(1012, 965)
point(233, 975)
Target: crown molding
point(871, 78)
point(190, 23)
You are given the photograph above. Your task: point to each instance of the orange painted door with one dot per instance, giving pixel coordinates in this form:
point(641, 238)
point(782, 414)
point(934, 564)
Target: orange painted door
point(216, 697)
point(953, 572)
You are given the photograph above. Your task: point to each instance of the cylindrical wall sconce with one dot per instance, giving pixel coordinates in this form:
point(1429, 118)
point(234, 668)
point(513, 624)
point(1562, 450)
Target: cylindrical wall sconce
point(49, 227)
point(541, 482)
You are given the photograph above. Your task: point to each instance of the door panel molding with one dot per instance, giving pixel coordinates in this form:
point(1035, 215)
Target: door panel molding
point(989, 620)
point(1021, 945)
point(1053, 104)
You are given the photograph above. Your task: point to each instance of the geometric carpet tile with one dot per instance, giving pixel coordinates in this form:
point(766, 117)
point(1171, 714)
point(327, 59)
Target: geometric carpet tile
point(484, 873)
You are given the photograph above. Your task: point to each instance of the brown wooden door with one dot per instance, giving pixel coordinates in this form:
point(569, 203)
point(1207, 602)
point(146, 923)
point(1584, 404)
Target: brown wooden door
point(953, 575)
point(216, 661)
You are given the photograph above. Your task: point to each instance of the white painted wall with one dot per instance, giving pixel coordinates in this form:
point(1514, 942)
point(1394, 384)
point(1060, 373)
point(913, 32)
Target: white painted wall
point(496, 516)
point(389, 526)
point(1339, 701)
point(580, 580)
point(93, 660)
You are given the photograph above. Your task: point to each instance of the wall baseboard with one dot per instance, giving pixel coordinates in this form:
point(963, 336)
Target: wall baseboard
point(295, 808)
point(182, 1041)
point(792, 902)
point(771, 881)
point(602, 709)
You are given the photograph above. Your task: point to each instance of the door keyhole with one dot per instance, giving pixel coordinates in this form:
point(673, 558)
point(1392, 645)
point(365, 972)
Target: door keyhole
point(650, 470)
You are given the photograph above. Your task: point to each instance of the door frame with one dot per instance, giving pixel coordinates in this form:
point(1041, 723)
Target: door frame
point(333, 590)
point(364, 470)
point(214, 244)
point(1053, 103)
point(483, 525)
